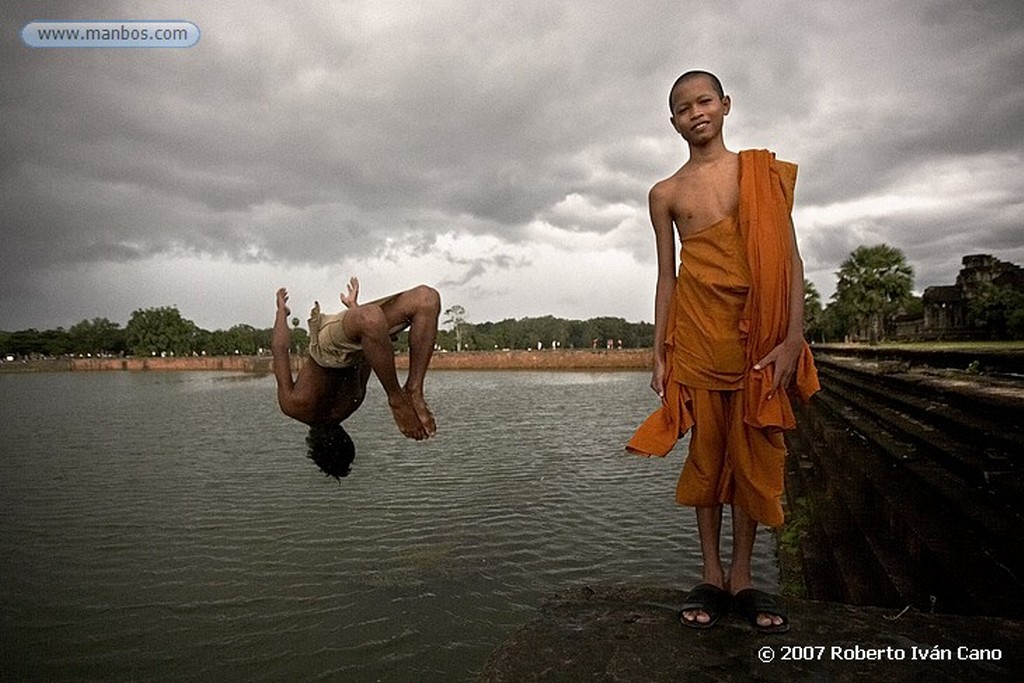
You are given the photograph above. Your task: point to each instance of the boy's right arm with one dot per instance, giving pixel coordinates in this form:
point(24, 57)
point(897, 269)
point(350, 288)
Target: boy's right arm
point(659, 204)
point(280, 343)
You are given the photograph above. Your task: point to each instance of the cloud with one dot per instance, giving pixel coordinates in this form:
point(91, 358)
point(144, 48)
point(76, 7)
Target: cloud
point(377, 136)
point(478, 268)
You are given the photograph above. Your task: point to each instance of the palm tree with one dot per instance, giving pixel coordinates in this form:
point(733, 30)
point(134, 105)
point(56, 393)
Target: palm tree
point(873, 284)
point(456, 317)
point(812, 308)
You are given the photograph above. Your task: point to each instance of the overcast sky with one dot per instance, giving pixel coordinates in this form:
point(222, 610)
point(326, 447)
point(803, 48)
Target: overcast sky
point(499, 151)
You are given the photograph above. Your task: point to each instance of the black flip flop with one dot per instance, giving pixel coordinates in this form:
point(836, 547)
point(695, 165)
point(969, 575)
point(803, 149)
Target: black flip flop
point(706, 598)
point(750, 602)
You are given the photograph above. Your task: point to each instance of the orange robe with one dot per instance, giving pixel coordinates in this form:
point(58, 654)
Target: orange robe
point(729, 309)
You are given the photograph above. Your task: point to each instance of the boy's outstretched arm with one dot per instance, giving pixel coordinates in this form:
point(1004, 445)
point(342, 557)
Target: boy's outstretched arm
point(280, 342)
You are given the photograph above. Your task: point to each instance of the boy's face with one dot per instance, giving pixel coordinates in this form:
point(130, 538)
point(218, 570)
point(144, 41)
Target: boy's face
point(698, 113)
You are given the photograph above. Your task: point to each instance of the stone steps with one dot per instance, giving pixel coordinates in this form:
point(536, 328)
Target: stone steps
point(908, 503)
point(972, 436)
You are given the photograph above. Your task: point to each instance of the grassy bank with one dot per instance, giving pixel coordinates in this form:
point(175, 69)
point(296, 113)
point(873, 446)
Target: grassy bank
point(993, 346)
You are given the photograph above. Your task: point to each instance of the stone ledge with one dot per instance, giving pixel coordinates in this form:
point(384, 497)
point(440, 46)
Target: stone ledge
point(631, 634)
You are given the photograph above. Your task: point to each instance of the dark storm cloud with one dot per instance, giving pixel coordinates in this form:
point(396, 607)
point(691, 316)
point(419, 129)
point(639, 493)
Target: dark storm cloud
point(477, 268)
point(930, 81)
point(312, 133)
point(145, 152)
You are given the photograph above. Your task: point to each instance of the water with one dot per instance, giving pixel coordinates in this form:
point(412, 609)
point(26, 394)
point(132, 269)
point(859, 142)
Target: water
point(169, 527)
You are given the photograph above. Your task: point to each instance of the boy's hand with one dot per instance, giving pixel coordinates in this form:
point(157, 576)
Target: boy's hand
point(351, 296)
point(282, 302)
point(658, 379)
point(785, 357)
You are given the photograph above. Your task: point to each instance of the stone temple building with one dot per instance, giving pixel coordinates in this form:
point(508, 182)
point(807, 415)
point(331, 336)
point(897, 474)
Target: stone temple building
point(945, 306)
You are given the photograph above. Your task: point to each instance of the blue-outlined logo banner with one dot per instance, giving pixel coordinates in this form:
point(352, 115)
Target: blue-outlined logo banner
point(112, 33)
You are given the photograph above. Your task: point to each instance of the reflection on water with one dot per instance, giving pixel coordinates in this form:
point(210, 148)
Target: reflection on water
point(168, 526)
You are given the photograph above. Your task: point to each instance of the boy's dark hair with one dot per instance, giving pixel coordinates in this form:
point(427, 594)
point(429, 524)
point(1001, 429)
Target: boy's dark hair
point(693, 74)
point(331, 448)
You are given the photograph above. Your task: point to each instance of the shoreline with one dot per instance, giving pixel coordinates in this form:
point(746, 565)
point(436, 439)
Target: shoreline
point(562, 359)
point(1000, 358)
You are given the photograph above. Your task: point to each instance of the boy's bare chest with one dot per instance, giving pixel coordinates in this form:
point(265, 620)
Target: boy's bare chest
point(701, 200)
point(332, 393)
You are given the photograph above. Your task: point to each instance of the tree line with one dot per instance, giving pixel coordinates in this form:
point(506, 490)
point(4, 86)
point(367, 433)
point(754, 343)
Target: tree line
point(164, 331)
point(150, 332)
point(874, 289)
point(546, 332)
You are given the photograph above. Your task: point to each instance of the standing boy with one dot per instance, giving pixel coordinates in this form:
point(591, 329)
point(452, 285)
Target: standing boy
point(730, 343)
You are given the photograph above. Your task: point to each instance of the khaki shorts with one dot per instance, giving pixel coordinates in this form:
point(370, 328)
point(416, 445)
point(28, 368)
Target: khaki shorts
point(329, 346)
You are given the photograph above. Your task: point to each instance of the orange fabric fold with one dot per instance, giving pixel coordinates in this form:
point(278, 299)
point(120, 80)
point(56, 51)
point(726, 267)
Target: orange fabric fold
point(662, 429)
point(730, 462)
point(766, 203)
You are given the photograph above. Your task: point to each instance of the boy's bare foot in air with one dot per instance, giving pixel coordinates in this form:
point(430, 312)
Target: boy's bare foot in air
point(406, 418)
point(426, 417)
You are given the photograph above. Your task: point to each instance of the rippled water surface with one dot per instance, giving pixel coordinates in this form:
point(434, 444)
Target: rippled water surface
point(169, 527)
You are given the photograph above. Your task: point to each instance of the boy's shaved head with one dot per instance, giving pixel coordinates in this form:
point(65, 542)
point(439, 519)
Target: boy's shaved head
point(717, 84)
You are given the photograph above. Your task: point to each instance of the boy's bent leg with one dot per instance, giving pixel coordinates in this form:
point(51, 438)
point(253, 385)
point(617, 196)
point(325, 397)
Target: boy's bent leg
point(420, 307)
point(369, 327)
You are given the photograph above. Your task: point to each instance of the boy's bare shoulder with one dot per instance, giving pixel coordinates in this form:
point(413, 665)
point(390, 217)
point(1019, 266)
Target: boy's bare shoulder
point(669, 187)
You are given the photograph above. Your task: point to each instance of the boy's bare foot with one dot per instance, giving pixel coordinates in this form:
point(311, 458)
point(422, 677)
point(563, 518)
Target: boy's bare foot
point(705, 605)
point(426, 417)
point(765, 619)
point(406, 418)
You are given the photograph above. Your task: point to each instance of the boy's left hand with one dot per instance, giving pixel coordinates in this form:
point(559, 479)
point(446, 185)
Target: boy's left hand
point(282, 302)
point(785, 357)
point(351, 296)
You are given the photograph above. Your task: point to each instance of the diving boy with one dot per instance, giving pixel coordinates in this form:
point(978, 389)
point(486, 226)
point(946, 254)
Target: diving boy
point(344, 348)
